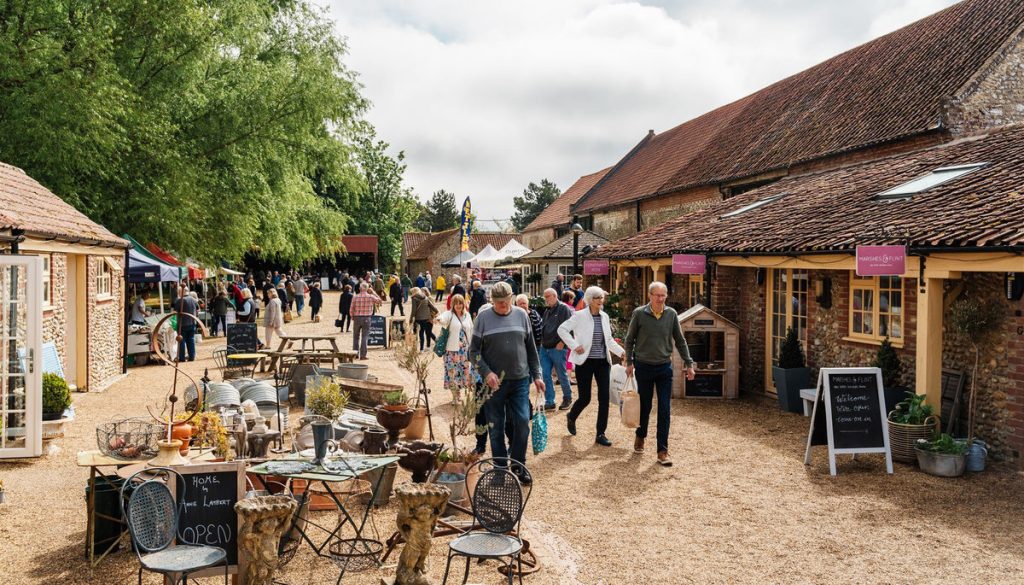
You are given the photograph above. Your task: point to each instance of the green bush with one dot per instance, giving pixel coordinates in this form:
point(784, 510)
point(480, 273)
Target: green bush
point(912, 411)
point(56, 394)
point(943, 444)
point(791, 354)
point(889, 362)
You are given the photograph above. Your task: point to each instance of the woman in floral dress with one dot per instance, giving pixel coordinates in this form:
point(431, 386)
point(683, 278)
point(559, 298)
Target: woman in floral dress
point(458, 371)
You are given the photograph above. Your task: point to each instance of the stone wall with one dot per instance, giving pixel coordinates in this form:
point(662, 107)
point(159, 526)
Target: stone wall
point(658, 210)
point(55, 317)
point(105, 325)
point(736, 296)
point(999, 418)
point(534, 239)
point(615, 224)
point(996, 95)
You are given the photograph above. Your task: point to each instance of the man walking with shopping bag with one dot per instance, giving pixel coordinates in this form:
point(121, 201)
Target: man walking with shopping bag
point(653, 330)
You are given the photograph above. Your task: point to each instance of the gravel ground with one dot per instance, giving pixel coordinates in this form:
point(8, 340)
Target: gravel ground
point(739, 506)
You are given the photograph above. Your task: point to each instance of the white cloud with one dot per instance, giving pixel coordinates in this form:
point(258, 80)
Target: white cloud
point(485, 97)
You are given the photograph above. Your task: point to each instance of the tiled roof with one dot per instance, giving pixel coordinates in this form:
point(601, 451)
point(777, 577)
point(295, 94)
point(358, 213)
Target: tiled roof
point(837, 210)
point(26, 204)
point(558, 212)
point(412, 240)
point(890, 88)
point(476, 242)
point(562, 247)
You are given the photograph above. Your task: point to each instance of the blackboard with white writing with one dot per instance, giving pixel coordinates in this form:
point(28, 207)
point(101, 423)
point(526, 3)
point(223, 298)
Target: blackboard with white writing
point(857, 417)
point(207, 505)
point(378, 331)
point(242, 338)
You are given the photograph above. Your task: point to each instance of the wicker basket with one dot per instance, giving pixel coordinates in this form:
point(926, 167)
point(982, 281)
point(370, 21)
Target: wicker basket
point(903, 438)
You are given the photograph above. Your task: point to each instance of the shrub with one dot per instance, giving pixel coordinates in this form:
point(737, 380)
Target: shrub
point(791, 354)
point(326, 398)
point(889, 362)
point(56, 394)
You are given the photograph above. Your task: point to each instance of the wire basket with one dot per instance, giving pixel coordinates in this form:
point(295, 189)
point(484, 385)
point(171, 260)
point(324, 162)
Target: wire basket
point(129, 439)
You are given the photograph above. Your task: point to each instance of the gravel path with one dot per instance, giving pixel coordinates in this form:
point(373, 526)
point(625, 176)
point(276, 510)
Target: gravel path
point(739, 506)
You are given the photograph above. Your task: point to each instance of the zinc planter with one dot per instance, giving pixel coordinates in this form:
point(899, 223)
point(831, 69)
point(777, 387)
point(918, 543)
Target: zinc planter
point(941, 464)
point(903, 438)
point(788, 384)
point(976, 456)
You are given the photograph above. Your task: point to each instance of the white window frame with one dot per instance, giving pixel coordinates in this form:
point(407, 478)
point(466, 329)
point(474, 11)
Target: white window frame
point(46, 278)
point(104, 281)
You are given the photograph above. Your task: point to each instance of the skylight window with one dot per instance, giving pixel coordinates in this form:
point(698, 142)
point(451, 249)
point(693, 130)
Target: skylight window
point(754, 205)
point(932, 179)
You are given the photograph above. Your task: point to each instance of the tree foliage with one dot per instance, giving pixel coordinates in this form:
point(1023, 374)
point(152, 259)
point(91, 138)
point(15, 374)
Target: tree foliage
point(201, 125)
point(438, 214)
point(385, 207)
point(535, 199)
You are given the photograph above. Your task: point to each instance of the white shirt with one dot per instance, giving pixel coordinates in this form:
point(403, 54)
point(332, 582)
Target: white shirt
point(456, 325)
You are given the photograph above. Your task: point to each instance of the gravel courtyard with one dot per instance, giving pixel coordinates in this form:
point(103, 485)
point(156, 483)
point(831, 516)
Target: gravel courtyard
point(739, 506)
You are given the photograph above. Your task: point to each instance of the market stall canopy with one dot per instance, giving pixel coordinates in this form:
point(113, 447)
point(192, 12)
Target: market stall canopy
point(229, 272)
point(459, 260)
point(192, 270)
point(142, 268)
point(487, 257)
point(513, 249)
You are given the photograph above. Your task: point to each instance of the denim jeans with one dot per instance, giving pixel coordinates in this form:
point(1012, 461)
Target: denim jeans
point(649, 377)
point(222, 321)
point(511, 399)
point(593, 370)
point(188, 342)
point(300, 302)
point(554, 359)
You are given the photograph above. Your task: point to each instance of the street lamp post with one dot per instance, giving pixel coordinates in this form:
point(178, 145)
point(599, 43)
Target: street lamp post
point(577, 229)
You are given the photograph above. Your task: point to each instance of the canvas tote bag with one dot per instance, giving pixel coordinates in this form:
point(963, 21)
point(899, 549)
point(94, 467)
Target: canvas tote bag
point(629, 404)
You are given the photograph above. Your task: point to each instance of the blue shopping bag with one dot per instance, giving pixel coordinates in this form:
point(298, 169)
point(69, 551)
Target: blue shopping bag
point(539, 430)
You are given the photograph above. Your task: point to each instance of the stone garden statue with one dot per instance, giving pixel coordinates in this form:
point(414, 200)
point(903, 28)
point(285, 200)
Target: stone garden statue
point(264, 521)
point(419, 505)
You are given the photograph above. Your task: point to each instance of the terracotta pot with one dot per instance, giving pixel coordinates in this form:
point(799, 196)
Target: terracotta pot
point(182, 431)
point(396, 407)
point(418, 427)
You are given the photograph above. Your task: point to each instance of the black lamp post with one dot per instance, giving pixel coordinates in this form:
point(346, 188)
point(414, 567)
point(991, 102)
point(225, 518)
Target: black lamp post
point(577, 229)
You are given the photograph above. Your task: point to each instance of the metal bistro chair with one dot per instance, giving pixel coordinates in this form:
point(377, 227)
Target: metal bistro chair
point(498, 502)
point(152, 518)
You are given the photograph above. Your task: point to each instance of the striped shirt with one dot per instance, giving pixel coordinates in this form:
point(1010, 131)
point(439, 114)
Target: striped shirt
point(363, 304)
point(597, 350)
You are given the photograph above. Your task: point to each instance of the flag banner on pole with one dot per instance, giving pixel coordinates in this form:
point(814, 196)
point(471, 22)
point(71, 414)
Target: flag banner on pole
point(466, 212)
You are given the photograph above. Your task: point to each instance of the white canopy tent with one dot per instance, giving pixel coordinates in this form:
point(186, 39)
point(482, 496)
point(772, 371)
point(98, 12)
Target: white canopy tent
point(513, 249)
point(486, 258)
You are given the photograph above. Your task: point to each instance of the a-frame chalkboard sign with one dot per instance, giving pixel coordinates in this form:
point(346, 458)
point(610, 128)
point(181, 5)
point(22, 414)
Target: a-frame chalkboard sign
point(849, 415)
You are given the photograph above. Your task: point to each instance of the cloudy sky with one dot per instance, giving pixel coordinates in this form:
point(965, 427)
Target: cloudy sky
point(485, 97)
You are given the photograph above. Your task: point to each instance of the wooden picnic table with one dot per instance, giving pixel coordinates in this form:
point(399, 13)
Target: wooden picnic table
point(288, 341)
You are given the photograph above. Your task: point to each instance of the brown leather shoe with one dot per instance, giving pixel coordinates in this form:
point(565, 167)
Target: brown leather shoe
point(664, 459)
point(638, 445)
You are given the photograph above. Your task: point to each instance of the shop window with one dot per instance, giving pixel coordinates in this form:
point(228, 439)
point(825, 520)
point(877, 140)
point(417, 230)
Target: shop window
point(47, 282)
point(696, 290)
point(103, 280)
point(876, 308)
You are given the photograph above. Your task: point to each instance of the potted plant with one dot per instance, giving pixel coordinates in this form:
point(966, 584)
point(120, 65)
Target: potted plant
point(975, 321)
point(326, 398)
point(56, 396)
point(455, 461)
point(395, 400)
point(911, 421)
point(792, 374)
point(943, 456)
point(211, 432)
point(887, 360)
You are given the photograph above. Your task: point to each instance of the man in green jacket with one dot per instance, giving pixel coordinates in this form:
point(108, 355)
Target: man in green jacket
point(653, 330)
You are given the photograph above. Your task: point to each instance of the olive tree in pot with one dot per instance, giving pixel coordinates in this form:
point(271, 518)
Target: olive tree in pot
point(791, 375)
point(975, 321)
point(892, 371)
point(455, 461)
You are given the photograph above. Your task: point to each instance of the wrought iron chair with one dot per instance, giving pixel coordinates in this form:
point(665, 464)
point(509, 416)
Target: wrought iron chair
point(152, 517)
point(498, 502)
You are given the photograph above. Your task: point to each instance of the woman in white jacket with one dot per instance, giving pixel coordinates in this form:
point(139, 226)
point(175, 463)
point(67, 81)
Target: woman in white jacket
point(588, 335)
point(273, 319)
point(458, 371)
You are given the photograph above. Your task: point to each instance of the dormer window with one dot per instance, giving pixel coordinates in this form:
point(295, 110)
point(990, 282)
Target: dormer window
point(754, 205)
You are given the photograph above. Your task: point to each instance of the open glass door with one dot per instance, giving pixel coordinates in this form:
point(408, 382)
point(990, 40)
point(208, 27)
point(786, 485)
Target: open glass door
point(21, 387)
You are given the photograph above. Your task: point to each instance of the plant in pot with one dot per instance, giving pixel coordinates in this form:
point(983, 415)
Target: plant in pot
point(887, 360)
point(455, 461)
point(211, 432)
point(792, 374)
point(326, 398)
point(414, 361)
point(912, 420)
point(975, 321)
point(943, 456)
point(56, 396)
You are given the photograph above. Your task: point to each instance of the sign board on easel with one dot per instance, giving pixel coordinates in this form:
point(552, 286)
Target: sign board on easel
point(849, 415)
point(207, 509)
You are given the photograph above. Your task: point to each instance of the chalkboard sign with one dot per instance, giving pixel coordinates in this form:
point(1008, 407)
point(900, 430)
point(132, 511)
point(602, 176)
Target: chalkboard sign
point(207, 505)
point(705, 386)
point(242, 338)
point(378, 331)
point(850, 408)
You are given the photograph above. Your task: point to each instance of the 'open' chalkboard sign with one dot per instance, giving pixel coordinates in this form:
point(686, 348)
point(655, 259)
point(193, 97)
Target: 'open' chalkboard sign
point(849, 407)
point(207, 505)
point(242, 338)
point(378, 331)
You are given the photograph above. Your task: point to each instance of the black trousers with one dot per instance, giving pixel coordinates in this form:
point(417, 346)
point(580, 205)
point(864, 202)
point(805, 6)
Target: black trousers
point(314, 310)
point(593, 369)
point(397, 302)
point(426, 332)
point(346, 322)
point(439, 294)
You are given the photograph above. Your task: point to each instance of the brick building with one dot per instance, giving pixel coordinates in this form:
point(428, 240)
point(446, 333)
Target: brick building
point(782, 256)
point(436, 248)
point(83, 277)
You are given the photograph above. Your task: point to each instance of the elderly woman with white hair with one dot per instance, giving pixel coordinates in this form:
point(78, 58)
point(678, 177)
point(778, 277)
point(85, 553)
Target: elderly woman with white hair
point(588, 335)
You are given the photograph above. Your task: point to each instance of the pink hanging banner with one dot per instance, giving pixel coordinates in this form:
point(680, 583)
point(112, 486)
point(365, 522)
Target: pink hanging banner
point(689, 263)
point(595, 267)
point(881, 260)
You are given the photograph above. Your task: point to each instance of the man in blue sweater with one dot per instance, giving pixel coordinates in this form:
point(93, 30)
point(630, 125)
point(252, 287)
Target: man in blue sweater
point(506, 357)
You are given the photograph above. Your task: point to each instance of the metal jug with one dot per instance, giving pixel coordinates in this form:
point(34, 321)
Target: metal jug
point(322, 442)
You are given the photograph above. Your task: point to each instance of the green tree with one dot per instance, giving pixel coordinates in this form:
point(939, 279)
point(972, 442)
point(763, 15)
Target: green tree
point(194, 124)
point(385, 207)
point(438, 214)
point(535, 199)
